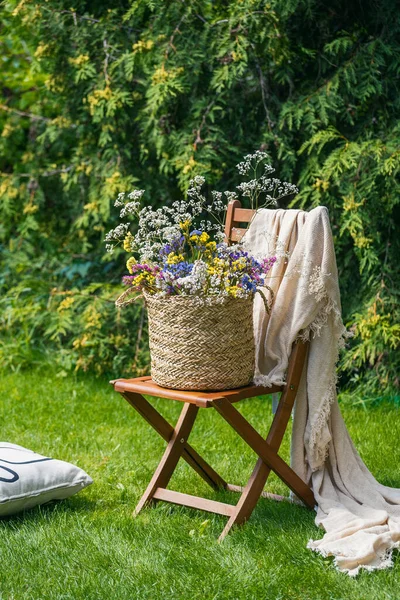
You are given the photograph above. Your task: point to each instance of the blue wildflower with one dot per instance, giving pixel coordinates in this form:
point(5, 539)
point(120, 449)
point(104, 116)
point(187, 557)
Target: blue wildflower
point(165, 250)
point(176, 246)
point(247, 283)
point(181, 269)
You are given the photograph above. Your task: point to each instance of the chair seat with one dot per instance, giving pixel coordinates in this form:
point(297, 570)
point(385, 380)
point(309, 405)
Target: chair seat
point(145, 385)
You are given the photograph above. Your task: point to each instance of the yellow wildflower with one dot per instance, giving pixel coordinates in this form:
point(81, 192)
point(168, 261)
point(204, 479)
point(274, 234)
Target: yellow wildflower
point(128, 243)
point(174, 259)
point(151, 279)
point(139, 279)
point(232, 290)
point(218, 262)
point(130, 262)
point(204, 238)
point(239, 264)
point(185, 225)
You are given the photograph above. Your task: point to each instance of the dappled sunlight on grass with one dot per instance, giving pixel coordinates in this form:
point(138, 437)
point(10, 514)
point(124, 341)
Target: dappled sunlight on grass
point(90, 547)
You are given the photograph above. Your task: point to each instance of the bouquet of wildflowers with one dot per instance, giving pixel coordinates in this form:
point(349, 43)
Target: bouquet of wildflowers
point(179, 250)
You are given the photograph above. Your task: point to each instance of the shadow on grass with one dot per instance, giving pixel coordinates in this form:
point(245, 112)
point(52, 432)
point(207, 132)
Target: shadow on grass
point(390, 481)
point(67, 506)
point(271, 516)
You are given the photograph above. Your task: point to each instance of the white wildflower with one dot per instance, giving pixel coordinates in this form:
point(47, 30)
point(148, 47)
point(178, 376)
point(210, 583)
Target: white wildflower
point(231, 196)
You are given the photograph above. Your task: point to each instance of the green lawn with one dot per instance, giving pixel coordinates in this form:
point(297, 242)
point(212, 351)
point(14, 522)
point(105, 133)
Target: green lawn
point(89, 547)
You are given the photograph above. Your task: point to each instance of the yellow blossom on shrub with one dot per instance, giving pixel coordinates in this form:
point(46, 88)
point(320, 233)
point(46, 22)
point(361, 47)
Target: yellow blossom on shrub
point(30, 208)
point(18, 8)
point(362, 241)
point(80, 342)
point(7, 188)
point(8, 129)
point(80, 60)
point(61, 122)
point(320, 183)
point(142, 45)
point(189, 166)
point(161, 75)
point(42, 50)
point(65, 304)
point(97, 96)
point(28, 157)
point(54, 85)
point(93, 318)
point(350, 204)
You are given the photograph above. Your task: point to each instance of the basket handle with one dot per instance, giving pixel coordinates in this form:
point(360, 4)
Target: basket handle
point(121, 300)
point(267, 305)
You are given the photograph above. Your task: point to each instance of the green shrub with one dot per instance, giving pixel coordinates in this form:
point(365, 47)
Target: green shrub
point(104, 96)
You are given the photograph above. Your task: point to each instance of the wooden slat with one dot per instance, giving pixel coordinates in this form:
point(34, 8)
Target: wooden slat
point(220, 508)
point(243, 215)
point(145, 385)
point(236, 234)
point(229, 222)
point(250, 392)
point(150, 388)
point(239, 489)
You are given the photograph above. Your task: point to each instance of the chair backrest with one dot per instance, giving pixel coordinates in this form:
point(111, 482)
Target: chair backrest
point(235, 217)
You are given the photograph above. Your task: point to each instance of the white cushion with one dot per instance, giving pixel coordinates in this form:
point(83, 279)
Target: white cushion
point(28, 479)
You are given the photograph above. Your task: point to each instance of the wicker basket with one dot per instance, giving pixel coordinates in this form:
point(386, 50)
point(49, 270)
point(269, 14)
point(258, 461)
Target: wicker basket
point(200, 344)
point(197, 345)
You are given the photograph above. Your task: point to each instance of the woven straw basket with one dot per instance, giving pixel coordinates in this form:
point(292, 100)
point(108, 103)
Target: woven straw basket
point(201, 346)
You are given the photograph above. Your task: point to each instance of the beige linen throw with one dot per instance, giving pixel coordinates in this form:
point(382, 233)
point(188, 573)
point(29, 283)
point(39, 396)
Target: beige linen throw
point(361, 518)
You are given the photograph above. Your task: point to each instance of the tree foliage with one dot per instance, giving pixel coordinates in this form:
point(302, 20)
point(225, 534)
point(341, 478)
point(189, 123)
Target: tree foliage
point(100, 97)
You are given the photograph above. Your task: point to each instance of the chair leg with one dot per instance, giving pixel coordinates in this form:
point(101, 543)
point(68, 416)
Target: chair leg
point(172, 454)
point(264, 451)
point(165, 430)
point(249, 498)
point(260, 474)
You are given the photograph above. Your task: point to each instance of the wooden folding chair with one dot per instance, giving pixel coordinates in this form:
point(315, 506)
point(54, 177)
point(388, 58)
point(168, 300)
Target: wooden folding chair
point(133, 390)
